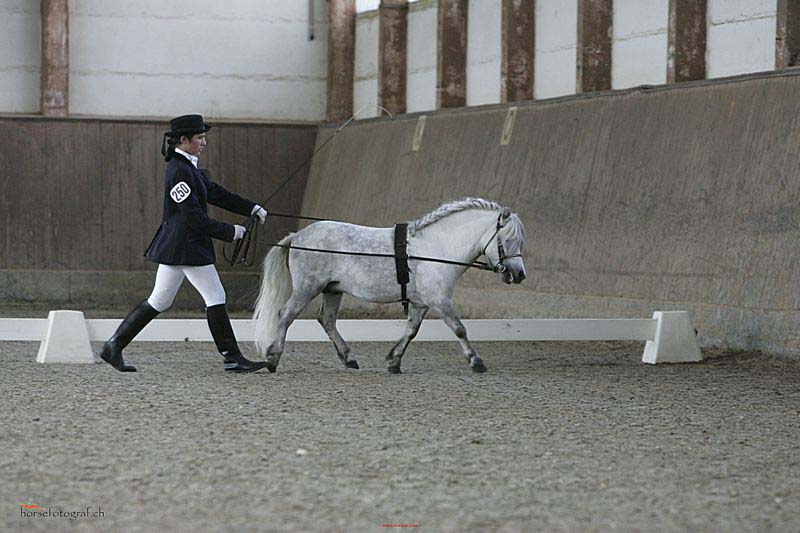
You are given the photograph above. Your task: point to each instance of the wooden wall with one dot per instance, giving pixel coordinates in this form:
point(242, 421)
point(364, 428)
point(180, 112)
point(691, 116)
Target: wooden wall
point(87, 194)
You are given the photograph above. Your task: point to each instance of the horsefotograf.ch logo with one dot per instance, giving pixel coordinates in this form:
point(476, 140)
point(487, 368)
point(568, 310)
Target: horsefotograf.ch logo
point(32, 510)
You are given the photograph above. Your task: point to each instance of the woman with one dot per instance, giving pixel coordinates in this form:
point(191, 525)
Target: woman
point(182, 246)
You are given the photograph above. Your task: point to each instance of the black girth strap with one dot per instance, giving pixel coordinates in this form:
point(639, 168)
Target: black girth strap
point(401, 261)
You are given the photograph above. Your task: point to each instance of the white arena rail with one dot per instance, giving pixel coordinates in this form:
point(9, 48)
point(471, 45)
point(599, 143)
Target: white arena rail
point(65, 335)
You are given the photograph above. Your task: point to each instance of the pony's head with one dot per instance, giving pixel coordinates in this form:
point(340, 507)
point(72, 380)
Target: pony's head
point(501, 243)
point(504, 247)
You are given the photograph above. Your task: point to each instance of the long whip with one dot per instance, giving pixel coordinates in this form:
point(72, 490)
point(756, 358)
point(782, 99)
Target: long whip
point(239, 256)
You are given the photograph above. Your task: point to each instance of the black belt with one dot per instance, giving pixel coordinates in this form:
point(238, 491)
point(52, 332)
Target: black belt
point(401, 261)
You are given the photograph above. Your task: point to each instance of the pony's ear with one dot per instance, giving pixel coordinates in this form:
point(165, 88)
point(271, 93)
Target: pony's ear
point(506, 213)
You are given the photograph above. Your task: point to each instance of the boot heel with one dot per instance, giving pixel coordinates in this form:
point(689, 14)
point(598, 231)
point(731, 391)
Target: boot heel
point(244, 369)
point(137, 319)
point(221, 330)
point(114, 358)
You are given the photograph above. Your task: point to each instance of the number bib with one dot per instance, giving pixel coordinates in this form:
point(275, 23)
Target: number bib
point(180, 192)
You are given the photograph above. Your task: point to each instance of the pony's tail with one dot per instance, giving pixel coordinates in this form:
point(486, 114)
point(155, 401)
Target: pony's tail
point(276, 287)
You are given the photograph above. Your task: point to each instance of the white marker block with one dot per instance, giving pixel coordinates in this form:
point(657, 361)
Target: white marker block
point(66, 339)
point(675, 340)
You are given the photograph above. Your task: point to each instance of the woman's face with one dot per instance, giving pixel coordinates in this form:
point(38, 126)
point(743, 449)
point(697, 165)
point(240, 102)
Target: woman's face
point(194, 145)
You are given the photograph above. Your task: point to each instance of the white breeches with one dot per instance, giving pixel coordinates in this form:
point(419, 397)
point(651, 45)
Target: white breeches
point(169, 278)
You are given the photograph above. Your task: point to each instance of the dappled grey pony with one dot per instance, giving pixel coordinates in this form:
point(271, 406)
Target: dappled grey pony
point(460, 231)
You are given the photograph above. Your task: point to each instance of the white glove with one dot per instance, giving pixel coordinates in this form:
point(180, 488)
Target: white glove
point(260, 212)
point(238, 232)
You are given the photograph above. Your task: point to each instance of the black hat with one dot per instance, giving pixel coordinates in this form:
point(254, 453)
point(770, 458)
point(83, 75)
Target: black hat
point(187, 124)
point(183, 125)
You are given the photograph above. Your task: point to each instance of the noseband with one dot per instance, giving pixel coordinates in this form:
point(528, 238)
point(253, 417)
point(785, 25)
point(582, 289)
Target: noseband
point(500, 267)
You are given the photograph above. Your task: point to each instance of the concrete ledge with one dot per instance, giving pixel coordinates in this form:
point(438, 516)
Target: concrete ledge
point(103, 289)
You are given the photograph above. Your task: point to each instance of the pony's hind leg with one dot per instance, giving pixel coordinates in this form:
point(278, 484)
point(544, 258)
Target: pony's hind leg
point(415, 315)
point(286, 316)
point(448, 314)
point(327, 319)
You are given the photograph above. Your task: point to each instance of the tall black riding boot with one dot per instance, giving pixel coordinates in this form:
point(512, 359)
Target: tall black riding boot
point(135, 322)
point(221, 330)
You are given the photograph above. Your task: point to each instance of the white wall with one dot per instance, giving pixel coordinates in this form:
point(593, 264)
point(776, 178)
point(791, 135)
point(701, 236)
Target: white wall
point(252, 59)
point(639, 50)
point(20, 56)
point(484, 63)
point(232, 59)
point(365, 86)
point(556, 48)
point(483, 54)
point(367, 5)
point(421, 60)
point(741, 36)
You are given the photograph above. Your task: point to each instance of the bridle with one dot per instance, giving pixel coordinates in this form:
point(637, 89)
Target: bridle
point(500, 267)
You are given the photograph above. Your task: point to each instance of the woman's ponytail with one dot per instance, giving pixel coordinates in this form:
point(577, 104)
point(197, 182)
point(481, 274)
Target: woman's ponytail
point(168, 144)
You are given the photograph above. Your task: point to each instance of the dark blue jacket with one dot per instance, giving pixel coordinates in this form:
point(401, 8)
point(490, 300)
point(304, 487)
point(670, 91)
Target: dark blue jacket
point(184, 237)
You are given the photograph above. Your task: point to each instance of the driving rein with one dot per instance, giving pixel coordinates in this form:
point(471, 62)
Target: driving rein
point(244, 254)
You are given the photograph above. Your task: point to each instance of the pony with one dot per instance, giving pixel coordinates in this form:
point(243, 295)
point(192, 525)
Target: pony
point(459, 231)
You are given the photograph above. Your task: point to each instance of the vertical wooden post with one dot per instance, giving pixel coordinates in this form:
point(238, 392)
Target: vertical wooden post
point(594, 45)
point(451, 65)
point(393, 31)
point(341, 59)
point(519, 41)
point(787, 39)
point(55, 58)
point(687, 35)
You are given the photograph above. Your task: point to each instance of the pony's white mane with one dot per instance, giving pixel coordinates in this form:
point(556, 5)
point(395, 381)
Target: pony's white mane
point(449, 208)
point(513, 231)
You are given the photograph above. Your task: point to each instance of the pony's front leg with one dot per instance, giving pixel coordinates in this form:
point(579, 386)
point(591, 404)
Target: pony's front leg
point(415, 315)
point(328, 312)
point(286, 316)
point(447, 312)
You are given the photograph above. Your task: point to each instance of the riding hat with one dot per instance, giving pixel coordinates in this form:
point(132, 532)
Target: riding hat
point(187, 124)
point(182, 125)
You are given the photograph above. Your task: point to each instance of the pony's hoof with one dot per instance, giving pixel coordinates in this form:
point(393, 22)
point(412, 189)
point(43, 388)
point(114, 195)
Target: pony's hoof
point(272, 366)
point(351, 364)
point(479, 367)
point(394, 370)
